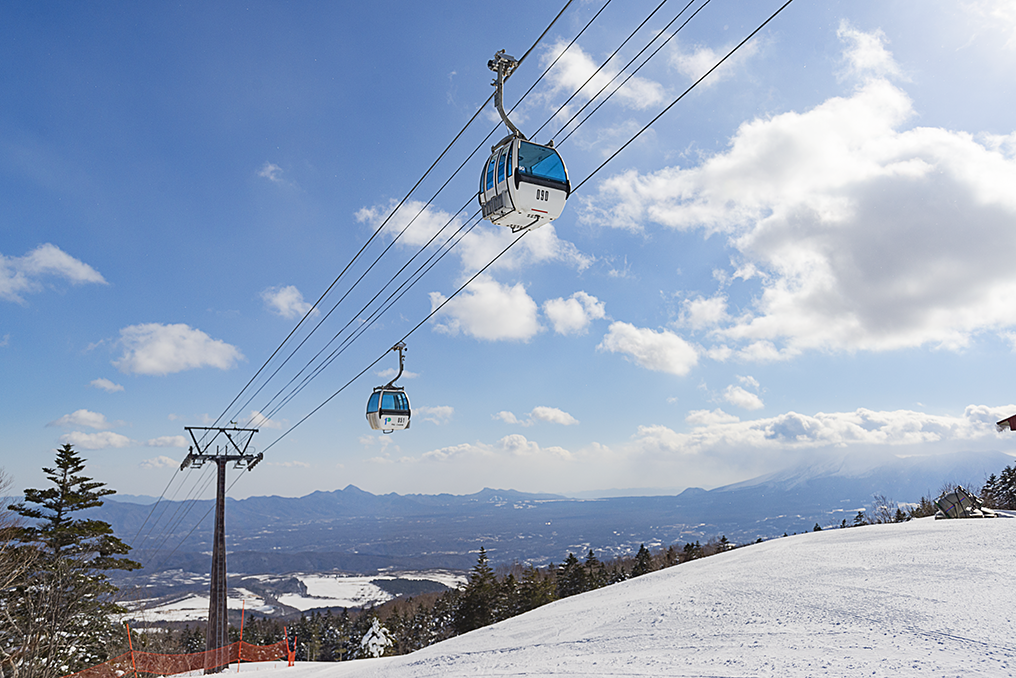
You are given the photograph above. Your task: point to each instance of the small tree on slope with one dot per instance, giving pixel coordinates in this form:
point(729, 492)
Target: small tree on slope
point(63, 612)
point(476, 604)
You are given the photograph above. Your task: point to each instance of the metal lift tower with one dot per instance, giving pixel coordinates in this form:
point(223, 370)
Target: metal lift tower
point(237, 448)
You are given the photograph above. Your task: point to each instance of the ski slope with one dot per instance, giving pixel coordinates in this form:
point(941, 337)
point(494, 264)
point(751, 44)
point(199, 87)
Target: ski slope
point(924, 598)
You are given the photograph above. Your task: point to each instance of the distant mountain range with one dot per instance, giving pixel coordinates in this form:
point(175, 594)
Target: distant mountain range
point(356, 531)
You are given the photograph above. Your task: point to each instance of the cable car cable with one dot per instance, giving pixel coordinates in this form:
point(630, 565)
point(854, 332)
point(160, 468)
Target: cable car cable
point(385, 306)
point(332, 356)
point(406, 336)
point(411, 280)
point(630, 75)
point(378, 230)
point(683, 94)
point(630, 62)
point(604, 64)
point(321, 298)
point(582, 183)
point(544, 74)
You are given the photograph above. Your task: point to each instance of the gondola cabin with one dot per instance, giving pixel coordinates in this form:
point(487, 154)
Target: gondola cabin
point(388, 409)
point(523, 185)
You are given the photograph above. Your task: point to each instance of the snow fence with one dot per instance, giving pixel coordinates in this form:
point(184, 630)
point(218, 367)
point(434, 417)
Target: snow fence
point(135, 663)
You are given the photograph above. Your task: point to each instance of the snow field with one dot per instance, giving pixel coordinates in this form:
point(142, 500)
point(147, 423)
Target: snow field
point(924, 598)
point(323, 590)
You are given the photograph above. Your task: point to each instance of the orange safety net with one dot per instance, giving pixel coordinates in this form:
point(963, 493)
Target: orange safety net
point(168, 664)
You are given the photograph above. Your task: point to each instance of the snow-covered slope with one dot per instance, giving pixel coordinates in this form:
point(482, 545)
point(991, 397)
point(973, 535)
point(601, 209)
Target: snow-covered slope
point(925, 598)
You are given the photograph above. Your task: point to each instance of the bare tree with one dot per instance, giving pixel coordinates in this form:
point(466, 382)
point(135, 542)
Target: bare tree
point(15, 563)
point(883, 510)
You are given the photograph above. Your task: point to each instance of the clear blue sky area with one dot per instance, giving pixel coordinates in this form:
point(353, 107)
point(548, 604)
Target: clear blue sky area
point(809, 256)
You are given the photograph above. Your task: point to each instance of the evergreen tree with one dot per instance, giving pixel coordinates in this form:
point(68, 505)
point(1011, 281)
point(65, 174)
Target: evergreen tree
point(817, 528)
point(643, 562)
point(63, 613)
point(671, 558)
point(692, 551)
point(570, 577)
point(376, 641)
point(535, 589)
point(596, 572)
point(1000, 491)
point(476, 605)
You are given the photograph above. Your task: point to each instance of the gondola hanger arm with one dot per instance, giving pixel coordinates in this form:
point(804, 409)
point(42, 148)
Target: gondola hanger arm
point(504, 65)
point(400, 347)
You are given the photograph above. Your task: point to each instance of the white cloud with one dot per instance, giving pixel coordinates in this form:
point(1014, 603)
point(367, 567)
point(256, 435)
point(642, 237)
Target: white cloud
point(750, 382)
point(106, 385)
point(418, 223)
point(866, 55)
point(707, 418)
point(167, 441)
point(719, 433)
point(513, 445)
point(575, 67)
point(159, 462)
point(455, 452)
point(696, 61)
point(518, 446)
point(700, 313)
point(85, 418)
point(735, 395)
point(21, 275)
point(272, 172)
point(997, 15)
point(258, 420)
point(488, 310)
point(288, 464)
point(438, 414)
point(553, 415)
point(661, 351)
point(390, 372)
point(286, 301)
point(861, 234)
point(573, 315)
point(508, 417)
point(157, 349)
point(96, 441)
point(550, 415)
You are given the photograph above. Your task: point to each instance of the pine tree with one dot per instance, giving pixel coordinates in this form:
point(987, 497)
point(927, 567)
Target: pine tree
point(596, 572)
point(643, 562)
point(535, 589)
point(1000, 491)
point(571, 577)
point(376, 641)
point(476, 605)
point(63, 613)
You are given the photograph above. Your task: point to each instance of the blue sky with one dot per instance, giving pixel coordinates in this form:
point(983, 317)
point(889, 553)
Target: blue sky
point(810, 255)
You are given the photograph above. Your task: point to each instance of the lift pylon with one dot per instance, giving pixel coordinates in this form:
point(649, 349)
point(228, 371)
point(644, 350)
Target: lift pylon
point(238, 449)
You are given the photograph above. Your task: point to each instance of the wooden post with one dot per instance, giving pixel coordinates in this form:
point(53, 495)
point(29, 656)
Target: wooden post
point(239, 649)
point(130, 644)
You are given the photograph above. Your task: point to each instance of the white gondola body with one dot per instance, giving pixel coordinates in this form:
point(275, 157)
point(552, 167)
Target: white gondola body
point(523, 185)
point(388, 409)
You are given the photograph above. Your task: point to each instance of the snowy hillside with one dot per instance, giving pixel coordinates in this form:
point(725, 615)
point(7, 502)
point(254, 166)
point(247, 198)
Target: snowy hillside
point(927, 598)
